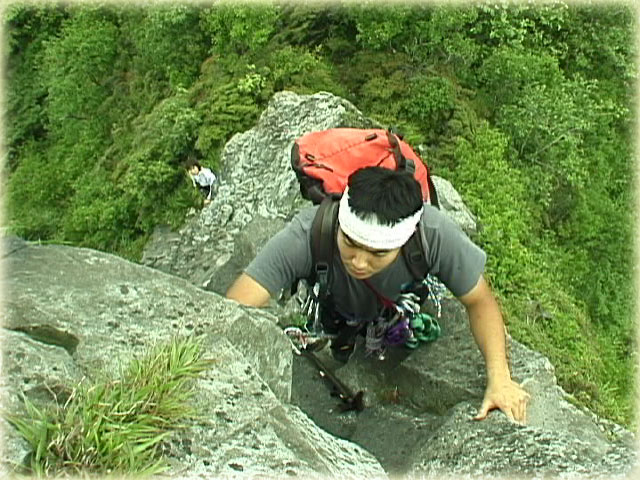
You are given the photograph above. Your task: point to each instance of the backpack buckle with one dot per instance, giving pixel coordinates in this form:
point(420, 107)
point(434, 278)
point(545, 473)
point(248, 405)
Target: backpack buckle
point(322, 278)
point(409, 166)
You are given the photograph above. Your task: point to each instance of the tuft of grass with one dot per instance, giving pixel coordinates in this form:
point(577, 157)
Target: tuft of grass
point(115, 426)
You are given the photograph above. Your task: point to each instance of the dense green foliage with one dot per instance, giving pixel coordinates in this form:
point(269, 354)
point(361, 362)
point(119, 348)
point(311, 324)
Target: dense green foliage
point(115, 425)
point(525, 108)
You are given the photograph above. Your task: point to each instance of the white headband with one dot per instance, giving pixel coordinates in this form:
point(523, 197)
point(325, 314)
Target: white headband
point(370, 232)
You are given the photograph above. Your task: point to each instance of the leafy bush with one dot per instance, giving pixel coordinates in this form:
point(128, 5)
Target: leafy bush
point(505, 224)
point(519, 24)
point(28, 29)
point(168, 45)
point(77, 67)
point(99, 202)
point(231, 93)
point(381, 27)
point(134, 197)
point(556, 297)
point(507, 71)
point(300, 70)
point(547, 118)
point(430, 102)
point(376, 83)
point(599, 44)
point(35, 196)
point(448, 41)
point(30, 24)
point(227, 108)
point(598, 241)
point(240, 28)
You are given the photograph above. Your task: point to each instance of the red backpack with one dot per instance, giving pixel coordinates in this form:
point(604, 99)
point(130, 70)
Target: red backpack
point(324, 160)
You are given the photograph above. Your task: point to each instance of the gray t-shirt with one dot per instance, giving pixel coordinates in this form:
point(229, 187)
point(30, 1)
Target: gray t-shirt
point(452, 257)
point(204, 178)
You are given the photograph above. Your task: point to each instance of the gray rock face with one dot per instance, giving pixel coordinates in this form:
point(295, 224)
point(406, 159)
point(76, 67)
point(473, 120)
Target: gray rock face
point(420, 405)
point(71, 312)
point(451, 202)
point(267, 413)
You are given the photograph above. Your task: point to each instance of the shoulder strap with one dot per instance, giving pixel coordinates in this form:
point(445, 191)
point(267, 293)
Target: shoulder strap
point(403, 163)
point(323, 239)
point(433, 195)
point(414, 257)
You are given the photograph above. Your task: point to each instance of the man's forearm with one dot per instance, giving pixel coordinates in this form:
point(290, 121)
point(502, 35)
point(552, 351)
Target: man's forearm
point(487, 328)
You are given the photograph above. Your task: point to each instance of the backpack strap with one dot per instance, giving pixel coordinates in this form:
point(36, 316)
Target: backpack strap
point(433, 195)
point(403, 163)
point(414, 256)
point(323, 232)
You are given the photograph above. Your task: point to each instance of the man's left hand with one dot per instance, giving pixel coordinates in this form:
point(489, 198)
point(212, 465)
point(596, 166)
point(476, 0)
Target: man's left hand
point(508, 396)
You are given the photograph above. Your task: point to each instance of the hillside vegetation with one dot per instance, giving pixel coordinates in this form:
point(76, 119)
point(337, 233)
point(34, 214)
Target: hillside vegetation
point(525, 108)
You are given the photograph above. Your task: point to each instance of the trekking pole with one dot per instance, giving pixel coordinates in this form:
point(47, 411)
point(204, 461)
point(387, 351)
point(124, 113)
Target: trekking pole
point(350, 401)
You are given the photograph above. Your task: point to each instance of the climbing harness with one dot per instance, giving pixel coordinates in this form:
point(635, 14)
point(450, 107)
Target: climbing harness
point(401, 322)
point(398, 323)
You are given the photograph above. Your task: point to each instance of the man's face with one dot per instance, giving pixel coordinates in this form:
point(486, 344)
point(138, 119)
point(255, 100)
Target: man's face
point(193, 170)
point(362, 262)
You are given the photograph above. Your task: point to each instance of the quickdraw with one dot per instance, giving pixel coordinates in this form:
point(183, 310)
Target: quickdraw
point(399, 322)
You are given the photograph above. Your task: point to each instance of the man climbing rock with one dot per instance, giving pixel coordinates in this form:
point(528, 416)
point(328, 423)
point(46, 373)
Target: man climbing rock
point(372, 291)
point(203, 178)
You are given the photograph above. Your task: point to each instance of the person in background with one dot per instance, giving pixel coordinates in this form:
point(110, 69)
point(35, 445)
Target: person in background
point(203, 178)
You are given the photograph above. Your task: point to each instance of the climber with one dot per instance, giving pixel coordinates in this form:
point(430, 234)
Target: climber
point(378, 214)
point(203, 178)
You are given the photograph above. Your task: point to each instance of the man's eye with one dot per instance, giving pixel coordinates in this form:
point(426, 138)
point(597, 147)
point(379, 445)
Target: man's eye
point(381, 254)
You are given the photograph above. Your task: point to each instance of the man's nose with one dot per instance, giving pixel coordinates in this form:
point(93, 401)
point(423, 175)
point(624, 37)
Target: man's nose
point(360, 259)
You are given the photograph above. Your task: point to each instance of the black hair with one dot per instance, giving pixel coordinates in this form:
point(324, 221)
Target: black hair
point(390, 195)
point(193, 163)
